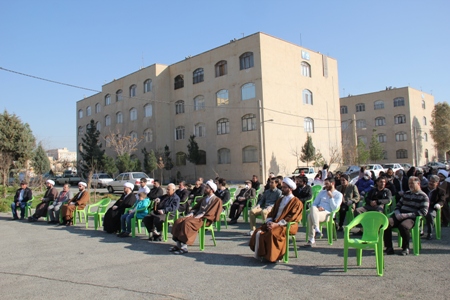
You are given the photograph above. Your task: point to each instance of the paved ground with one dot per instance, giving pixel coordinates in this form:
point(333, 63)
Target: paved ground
point(40, 260)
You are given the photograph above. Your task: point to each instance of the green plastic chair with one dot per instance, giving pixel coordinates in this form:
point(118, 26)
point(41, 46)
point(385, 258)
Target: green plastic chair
point(232, 192)
point(252, 202)
point(307, 205)
point(415, 235)
point(135, 220)
point(294, 243)
point(167, 222)
point(100, 210)
point(330, 225)
point(28, 208)
point(78, 212)
point(223, 215)
point(195, 200)
point(374, 225)
point(202, 234)
point(438, 224)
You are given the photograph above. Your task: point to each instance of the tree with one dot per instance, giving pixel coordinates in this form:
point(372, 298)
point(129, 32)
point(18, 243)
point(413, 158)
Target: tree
point(109, 165)
point(168, 163)
point(91, 153)
point(375, 149)
point(150, 163)
point(308, 151)
point(440, 127)
point(126, 163)
point(40, 163)
point(122, 143)
point(363, 154)
point(193, 155)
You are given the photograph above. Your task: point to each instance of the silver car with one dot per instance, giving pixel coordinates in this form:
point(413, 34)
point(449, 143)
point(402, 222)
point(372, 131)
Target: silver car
point(133, 177)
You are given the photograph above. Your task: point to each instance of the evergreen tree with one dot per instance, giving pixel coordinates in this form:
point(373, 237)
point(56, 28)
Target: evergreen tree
point(41, 163)
point(363, 154)
point(440, 123)
point(193, 155)
point(92, 152)
point(308, 151)
point(127, 163)
point(168, 163)
point(375, 149)
point(109, 165)
point(150, 163)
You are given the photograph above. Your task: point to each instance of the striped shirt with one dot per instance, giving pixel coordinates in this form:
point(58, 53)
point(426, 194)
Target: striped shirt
point(413, 204)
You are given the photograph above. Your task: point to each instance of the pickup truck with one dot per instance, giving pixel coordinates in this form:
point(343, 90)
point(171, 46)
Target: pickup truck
point(70, 179)
point(310, 173)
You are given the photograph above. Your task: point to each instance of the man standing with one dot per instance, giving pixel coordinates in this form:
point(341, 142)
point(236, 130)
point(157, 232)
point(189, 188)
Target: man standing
point(401, 183)
point(49, 196)
point(21, 197)
point(183, 194)
point(437, 200)
point(269, 240)
point(54, 208)
point(156, 191)
point(143, 188)
point(79, 201)
point(241, 201)
point(303, 191)
point(413, 203)
point(350, 198)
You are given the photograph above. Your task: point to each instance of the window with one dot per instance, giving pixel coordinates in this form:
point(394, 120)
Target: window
point(80, 114)
point(380, 121)
point(200, 130)
point(221, 68)
point(133, 135)
point(180, 159)
point(201, 157)
point(402, 153)
point(385, 156)
point(179, 82)
point(246, 60)
point(119, 118)
point(148, 110)
point(425, 137)
point(119, 96)
point(344, 110)
point(223, 126)
point(88, 111)
point(248, 91)
point(107, 100)
point(223, 156)
point(362, 138)
point(80, 130)
point(179, 133)
point(147, 86)
point(197, 75)
point(306, 69)
point(199, 103)
point(249, 122)
point(401, 136)
point(249, 154)
point(424, 121)
point(133, 90)
point(400, 101)
point(179, 107)
point(424, 106)
point(361, 123)
point(426, 153)
point(382, 138)
point(98, 108)
point(307, 97)
point(222, 97)
point(98, 126)
point(309, 125)
point(133, 114)
point(360, 107)
point(148, 135)
point(400, 119)
point(344, 125)
point(378, 104)
point(107, 120)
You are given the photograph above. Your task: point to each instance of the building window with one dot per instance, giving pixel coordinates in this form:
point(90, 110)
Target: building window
point(180, 159)
point(199, 103)
point(133, 114)
point(80, 114)
point(147, 86)
point(249, 154)
point(98, 126)
point(380, 121)
point(80, 130)
point(361, 123)
point(107, 120)
point(107, 100)
point(201, 157)
point(307, 97)
point(424, 106)
point(179, 107)
point(179, 133)
point(424, 121)
point(426, 153)
point(200, 130)
point(197, 75)
point(246, 60)
point(88, 111)
point(344, 110)
point(133, 135)
point(401, 136)
point(119, 118)
point(400, 101)
point(306, 69)
point(309, 125)
point(249, 122)
point(402, 153)
point(362, 138)
point(98, 108)
point(133, 90)
point(223, 156)
point(344, 125)
point(425, 137)
point(222, 97)
point(148, 110)
point(119, 96)
point(221, 68)
point(148, 135)
point(382, 138)
point(400, 119)
point(179, 82)
point(360, 107)
point(385, 156)
point(378, 105)
point(223, 126)
point(248, 91)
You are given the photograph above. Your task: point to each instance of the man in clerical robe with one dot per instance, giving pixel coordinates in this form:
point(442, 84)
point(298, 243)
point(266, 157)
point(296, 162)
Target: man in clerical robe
point(269, 240)
point(78, 202)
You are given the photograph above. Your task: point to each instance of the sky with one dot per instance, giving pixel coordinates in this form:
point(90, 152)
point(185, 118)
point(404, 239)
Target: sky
point(87, 43)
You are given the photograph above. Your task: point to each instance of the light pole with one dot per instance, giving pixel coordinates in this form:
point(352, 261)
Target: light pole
point(262, 142)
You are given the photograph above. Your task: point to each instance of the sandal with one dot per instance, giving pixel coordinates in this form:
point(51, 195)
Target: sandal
point(173, 249)
point(180, 251)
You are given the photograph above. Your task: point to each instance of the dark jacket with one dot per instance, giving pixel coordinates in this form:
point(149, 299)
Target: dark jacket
point(182, 194)
point(256, 185)
point(155, 192)
point(197, 191)
point(437, 197)
point(382, 197)
point(303, 193)
point(246, 193)
point(27, 195)
point(169, 203)
point(403, 183)
point(350, 194)
point(224, 195)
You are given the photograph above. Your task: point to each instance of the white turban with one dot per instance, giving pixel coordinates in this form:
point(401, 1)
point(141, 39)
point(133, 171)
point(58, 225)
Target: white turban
point(82, 183)
point(212, 185)
point(129, 185)
point(291, 184)
point(50, 181)
point(443, 172)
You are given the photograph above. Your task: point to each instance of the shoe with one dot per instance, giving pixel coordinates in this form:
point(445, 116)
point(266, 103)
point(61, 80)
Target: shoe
point(309, 244)
point(157, 238)
point(125, 234)
point(429, 236)
point(340, 228)
point(422, 233)
point(180, 251)
point(405, 251)
point(232, 221)
point(319, 233)
point(120, 234)
point(389, 251)
point(359, 233)
point(250, 233)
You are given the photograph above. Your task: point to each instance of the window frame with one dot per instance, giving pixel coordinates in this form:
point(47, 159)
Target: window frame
point(223, 126)
point(221, 160)
point(178, 82)
point(199, 103)
point(248, 118)
point(401, 154)
point(399, 101)
point(254, 154)
point(307, 97)
point(180, 133)
point(360, 107)
point(221, 68)
point(148, 110)
point(133, 114)
point(344, 109)
point(246, 61)
point(306, 69)
point(200, 130)
point(379, 104)
point(401, 136)
point(132, 90)
point(179, 107)
point(400, 119)
point(198, 75)
point(119, 95)
point(148, 85)
point(308, 125)
point(380, 121)
point(222, 100)
point(119, 117)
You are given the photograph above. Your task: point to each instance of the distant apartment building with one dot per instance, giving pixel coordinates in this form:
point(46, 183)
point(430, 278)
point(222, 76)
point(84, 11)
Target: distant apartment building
point(250, 104)
point(400, 119)
point(62, 154)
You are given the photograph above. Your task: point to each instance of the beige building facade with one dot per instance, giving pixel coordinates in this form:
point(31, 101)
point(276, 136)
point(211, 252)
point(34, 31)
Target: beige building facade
point(250, 103)
point(400, 119)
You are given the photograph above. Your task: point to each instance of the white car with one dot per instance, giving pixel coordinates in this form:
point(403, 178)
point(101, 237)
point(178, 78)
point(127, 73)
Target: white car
point(133, 177)
point(394, 167)
point(101, 180)
point(376, 168)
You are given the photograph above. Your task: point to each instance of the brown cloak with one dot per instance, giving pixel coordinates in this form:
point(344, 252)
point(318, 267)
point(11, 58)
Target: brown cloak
point(68, 209)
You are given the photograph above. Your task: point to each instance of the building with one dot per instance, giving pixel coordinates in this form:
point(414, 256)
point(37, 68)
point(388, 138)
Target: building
point(62, 154)
point(400, 118)
point(250, 103)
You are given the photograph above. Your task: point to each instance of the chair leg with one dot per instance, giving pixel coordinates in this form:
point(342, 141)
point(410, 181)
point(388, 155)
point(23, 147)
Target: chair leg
point(96, 221)
point(345, 257)
point(294, 242)
point(202, 238)
point(133, 227)
point(286, 252)
point(438, 224)
point(358, 257)
point(213, 237)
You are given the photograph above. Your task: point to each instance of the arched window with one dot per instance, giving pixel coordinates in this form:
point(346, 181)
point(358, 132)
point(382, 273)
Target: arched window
point(306, 69)
point(425, 137)
point(179, 133)
point(200, 130)
point(423, 104)
point(119, 118)
point(179, 82)
point(133, 114)
point(221, 68)
point(426, 153)
point(179, 107)
point(424, 121)
point(180, 159)
point(98, 108)
point(360, 107)
point(249, 122)
point(133, 90)
point(249, 154)
point(133, 135)
point(400, 101)
point(148, 135)
point(197, 75)
point(107, 100)
point(147, 86)
point(344, 110)
point(80, 130)
point(98, 126)
point(88, 111)
point(309, 125)
point(401, 136)
point(344, 125)
point(246, 60)
point(380, 121)
point(385, 156)
point(363, 139)
point(80, 114)
point(119, 96)
point(307, 97)
point(201, 157)
point(402, 153)
point(223, 126)
point(382, 138)
point(400, 119)
point(248, 91)
point(148, 110)
point(199, 103)
point(378, 104)
point(107, 120)
point(223, 156)
point(222, 97)
point(361, 123)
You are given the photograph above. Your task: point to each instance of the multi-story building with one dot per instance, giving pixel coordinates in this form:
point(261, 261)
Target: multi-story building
point(250, 104)
point(400, 119)
point(62, 154)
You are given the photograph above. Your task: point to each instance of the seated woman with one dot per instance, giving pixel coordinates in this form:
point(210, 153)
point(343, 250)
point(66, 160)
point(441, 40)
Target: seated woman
point(111, 221)
point(78, 202)
point(125, 220)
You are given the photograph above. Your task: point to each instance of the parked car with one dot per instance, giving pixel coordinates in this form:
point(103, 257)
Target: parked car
point(406, 167)
point(133, 177)
point(310, 173)
point(70, 179)
point(436, 165)
point(376, 168)
point(393, 166)
point(445, 163)
point(101, 180)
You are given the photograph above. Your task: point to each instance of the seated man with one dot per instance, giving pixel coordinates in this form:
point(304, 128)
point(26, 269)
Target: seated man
point(437, 200)
point(111, 221)
point(269, 240)
point(350, 199)
point(241, 201)
point(444, 185)
point(412, 204)
point(142, 187)
point(255, 182)
point(326, 202)
point(183, 193)
point(265, 204)
point(21, 197)
point(53, 210)
point(169, 203)
point(50, 195)
point(125, 220)
point(303, 190)
point(365, 183)
point(197, 191)
point(222, 191)
point(156, 191)
point(79, 201)
point(185, 230)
